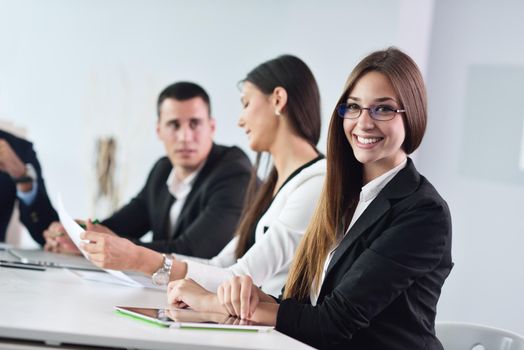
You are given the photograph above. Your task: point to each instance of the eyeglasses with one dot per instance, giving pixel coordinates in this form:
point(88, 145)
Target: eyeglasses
point(379, 112)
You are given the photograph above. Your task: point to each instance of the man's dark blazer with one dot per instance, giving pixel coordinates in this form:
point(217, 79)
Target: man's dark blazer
point(36, 217)
point(209, 216)
point(382, 285)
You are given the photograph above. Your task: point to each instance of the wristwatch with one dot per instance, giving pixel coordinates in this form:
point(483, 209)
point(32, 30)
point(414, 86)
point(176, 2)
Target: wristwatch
point(29, 176)
point(161, 276)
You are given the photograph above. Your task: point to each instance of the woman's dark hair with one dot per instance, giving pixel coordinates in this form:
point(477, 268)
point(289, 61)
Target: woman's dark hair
point(303, 113)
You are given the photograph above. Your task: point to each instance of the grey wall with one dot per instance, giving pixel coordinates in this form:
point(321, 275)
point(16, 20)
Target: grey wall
point(472, 152)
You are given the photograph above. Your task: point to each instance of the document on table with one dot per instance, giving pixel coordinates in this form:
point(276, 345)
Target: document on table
point(142, 280)
point(74, 230)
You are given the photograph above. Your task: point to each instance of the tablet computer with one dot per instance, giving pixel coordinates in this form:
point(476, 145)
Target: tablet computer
point(189, 319)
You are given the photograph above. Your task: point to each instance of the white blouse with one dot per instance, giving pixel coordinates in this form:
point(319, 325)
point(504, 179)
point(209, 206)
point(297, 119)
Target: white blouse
point(367, 194)
point(277, 235)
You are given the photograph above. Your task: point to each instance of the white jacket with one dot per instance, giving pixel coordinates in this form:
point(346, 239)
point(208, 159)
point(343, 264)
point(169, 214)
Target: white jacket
point(269, 259)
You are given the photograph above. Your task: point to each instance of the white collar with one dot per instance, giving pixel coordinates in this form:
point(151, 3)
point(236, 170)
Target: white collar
point(372, 188)
point(181, 188)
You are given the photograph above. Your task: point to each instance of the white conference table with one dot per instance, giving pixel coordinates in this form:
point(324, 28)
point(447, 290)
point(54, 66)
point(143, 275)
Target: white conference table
point(57, 309)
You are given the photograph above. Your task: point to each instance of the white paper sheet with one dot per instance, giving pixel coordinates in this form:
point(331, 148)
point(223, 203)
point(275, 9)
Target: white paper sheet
point(107, 278)
point(74, 231)
point(100, 277)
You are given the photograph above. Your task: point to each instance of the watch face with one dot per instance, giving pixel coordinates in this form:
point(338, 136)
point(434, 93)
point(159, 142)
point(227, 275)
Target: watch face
point(160, 278)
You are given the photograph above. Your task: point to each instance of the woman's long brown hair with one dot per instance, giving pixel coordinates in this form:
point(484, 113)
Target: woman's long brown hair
point(302, 110)
point(343, 181)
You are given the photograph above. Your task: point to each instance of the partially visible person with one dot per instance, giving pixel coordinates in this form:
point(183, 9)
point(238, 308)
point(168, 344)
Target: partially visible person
point(21, 180)
point(369, 271)
point(281, 116)
point(193, 197)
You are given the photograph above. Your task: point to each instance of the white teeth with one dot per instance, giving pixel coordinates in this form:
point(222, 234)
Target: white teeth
point(368, 140)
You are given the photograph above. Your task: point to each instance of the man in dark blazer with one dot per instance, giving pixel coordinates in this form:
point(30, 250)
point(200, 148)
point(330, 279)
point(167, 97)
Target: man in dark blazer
point(209, 216)
point(193, 197)
point(21, 180)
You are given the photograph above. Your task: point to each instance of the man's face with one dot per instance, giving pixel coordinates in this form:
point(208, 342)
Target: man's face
point(187, 130)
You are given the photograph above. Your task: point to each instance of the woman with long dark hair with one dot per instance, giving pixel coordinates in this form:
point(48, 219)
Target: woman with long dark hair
point(281, 116)
point(369, 270)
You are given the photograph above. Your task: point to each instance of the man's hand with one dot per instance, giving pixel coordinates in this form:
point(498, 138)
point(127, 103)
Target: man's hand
point(57, 241)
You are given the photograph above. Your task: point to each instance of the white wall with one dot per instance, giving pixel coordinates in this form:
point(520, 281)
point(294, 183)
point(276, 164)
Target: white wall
point(471, 154)
point(71, 71)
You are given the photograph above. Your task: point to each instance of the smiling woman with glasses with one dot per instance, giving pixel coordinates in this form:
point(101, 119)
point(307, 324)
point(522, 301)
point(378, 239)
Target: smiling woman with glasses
point(369, 270)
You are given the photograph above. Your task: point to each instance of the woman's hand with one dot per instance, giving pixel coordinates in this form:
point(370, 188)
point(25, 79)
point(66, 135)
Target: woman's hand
point(97, 227)
point(239, 296)
point(178, 315)
point(108, 251)
point(188, 293)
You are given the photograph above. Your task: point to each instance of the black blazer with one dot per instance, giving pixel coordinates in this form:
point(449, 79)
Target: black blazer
point(36, 217)
point(382, 285)
point(209, 216)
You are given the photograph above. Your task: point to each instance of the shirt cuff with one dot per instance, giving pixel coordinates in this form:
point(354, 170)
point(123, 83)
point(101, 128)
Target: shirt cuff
point(28, 197)
point(208, 276)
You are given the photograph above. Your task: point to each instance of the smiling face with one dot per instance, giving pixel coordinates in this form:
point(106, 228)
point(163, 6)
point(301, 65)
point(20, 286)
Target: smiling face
point(376, 144)
point(187, 131)
point(258, 118)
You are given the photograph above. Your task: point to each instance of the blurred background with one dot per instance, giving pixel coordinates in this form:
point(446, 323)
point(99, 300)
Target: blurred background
point(76, 74)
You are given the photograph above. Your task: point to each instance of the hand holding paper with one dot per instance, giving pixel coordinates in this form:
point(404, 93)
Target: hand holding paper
point(75, 231)
point(109, 251)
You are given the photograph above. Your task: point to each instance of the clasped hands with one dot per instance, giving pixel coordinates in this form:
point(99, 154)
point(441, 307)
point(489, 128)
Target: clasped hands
point(237, 297)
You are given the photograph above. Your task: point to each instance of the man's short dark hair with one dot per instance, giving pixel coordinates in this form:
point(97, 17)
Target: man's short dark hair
point(182, 91)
